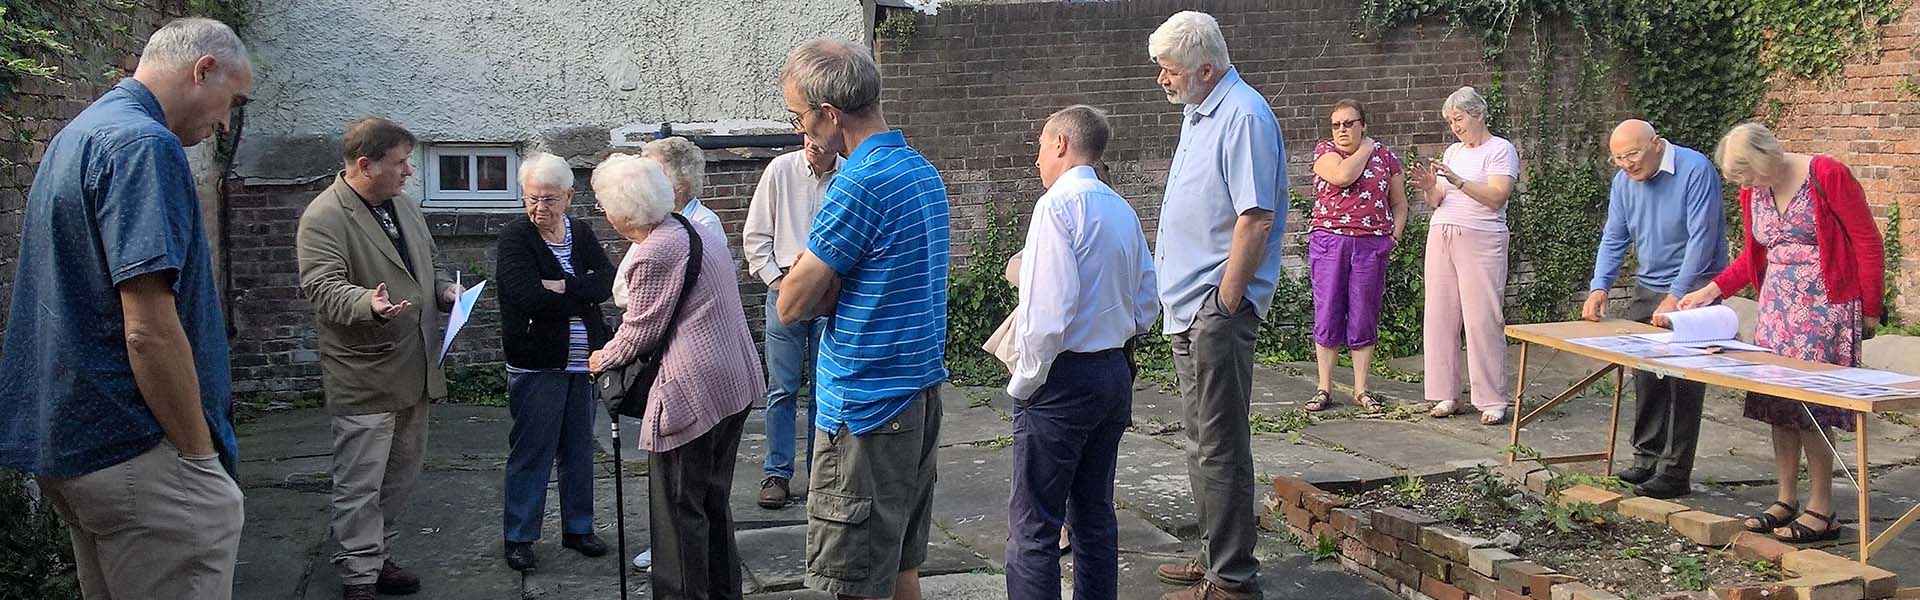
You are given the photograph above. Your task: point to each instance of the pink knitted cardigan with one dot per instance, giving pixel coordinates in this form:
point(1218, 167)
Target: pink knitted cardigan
point(711, 370)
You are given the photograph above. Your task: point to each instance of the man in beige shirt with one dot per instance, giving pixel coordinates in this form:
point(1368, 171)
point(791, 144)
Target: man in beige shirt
point(778, 221)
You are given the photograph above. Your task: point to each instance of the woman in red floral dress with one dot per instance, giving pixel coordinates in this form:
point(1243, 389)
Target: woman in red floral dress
point(1813, 250)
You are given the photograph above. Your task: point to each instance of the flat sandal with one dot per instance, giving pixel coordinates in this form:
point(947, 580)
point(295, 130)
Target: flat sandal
point(1769, 521)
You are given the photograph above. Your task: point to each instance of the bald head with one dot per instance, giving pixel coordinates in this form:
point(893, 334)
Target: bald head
point(1636, 149)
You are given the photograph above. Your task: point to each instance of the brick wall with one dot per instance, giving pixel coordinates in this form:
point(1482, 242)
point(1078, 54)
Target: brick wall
point(105, 43)
point(275, 349)
point(973, 85)
point(1870, 120)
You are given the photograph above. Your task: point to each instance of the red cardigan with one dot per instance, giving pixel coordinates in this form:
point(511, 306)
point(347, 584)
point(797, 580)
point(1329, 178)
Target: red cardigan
point(1851, 256)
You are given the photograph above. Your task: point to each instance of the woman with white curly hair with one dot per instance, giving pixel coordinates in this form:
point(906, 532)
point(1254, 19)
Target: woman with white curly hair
point(709, 374)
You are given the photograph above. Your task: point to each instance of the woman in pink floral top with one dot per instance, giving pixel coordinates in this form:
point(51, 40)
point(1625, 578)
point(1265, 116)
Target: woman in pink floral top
point(1359, 211)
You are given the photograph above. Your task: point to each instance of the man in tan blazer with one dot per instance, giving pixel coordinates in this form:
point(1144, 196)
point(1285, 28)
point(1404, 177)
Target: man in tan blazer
point(367, 267)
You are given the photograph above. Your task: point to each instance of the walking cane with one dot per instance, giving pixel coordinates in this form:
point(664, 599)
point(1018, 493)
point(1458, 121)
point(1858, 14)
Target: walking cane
point(619, 506)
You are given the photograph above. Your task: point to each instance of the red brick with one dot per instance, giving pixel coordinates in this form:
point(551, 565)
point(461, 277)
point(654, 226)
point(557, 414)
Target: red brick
point(1299, 518)
point(1759, 546)
point(1540, 586)
point(1319, 503)
point(1358, 552)
point(1753, 591)
point(1291, 488)
point(1475, 584)
point(1517, 576)
point(1347, 521)
point(1503, 594)
point(1401, 523)
point(1323, 529)
point(1381, 543)
point(1428, 564)
point(1439, 590)
point(1399, 570)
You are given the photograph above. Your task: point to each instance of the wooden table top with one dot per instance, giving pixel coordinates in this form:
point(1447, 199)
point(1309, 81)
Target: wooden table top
point(1557, 335)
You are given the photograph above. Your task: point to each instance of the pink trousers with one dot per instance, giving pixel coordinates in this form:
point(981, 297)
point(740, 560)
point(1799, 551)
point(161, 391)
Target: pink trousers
point(1466, 278)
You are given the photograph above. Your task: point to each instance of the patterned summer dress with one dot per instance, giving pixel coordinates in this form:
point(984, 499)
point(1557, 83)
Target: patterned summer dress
point(1796, 319)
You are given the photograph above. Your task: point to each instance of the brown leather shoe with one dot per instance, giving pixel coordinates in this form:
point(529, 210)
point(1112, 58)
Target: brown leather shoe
point(396, 581)
point(773, 493)
point(1208, 590)
point(1188, 572)
point(363, 591)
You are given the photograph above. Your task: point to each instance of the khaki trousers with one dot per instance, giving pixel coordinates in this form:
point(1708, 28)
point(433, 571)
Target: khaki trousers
point(160, 525)
point(376, 462)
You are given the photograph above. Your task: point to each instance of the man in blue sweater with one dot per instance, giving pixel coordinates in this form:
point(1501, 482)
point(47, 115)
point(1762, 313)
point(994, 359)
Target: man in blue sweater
point(1665, 203)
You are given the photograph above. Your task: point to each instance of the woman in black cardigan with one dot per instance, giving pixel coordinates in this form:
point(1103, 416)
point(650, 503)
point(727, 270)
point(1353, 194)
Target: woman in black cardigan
point(553, 275)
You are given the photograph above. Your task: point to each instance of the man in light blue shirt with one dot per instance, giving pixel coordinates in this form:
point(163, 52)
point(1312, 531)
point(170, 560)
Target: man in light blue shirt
point(1218, 262)
point(1666, 203)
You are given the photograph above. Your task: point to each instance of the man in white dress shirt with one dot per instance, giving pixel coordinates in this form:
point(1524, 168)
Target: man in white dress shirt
point(1086, 288)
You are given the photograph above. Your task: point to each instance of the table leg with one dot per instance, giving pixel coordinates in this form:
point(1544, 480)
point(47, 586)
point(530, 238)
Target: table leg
point(1519, 392)
point(1613, 422)
point(1865, 493)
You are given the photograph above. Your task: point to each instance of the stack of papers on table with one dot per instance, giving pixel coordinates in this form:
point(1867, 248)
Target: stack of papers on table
point(1707, 327)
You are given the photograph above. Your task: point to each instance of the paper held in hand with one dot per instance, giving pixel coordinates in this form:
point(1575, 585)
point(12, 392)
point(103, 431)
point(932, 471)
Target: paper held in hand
point(457, 318)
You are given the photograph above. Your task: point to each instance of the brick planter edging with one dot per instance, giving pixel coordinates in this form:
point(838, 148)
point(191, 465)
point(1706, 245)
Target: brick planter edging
point(1421, 558)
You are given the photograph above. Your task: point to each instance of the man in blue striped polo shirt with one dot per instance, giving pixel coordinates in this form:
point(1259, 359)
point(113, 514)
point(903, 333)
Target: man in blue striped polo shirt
point(876, 260)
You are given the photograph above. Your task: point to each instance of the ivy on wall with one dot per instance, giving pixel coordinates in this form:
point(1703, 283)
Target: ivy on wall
point(1694, 68)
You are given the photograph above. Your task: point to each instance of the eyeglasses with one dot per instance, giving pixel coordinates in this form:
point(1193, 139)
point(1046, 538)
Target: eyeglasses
point(547, 200)
point(799, 117)
point(1348, 124)
point(1629, 156)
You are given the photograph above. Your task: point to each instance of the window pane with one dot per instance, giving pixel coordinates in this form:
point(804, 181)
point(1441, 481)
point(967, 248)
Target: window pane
point(493, 173)
point(453, 173)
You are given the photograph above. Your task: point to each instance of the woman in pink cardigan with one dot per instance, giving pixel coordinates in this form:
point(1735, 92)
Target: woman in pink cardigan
point(708, 377)
point(1815, 254)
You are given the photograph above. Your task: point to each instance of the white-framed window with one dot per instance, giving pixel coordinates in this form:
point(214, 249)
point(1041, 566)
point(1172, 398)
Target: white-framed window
point(472, 176)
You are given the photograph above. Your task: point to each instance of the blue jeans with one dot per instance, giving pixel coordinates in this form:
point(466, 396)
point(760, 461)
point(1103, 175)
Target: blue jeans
point(552, 417)
point(1066, 445)
point(791, 350)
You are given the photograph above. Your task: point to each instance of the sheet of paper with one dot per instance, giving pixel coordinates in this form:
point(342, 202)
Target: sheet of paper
point(457, 318)
point(1871, 376)
point(1702, 362)
point(1817, 380)
point(1725, 345)
point(1765, 373)
point(1636, 346)
point(1868, 392)
point(1704, 324)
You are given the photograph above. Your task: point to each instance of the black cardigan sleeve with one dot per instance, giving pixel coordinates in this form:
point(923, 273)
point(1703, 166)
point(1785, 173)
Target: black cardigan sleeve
point(517, 271)
point(593, 284)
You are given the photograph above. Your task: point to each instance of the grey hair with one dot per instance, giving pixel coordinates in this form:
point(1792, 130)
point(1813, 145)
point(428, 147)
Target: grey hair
point(631, 188)
point(1085, 128)
point(829, 71)
point(1466, 100)
point(686, 163)
point(1190, 39)
point(546, 169)
point(1750, 149)
point(182, 41)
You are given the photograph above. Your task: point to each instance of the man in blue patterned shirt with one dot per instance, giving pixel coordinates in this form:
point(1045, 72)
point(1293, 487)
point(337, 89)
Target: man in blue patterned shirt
point(114, 377)
point(876, 260)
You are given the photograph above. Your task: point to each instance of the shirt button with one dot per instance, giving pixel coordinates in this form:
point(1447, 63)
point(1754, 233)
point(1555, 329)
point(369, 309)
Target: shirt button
point(895, 426)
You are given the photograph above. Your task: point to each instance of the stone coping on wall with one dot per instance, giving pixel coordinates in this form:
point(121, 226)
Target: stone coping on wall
point(1421, 558)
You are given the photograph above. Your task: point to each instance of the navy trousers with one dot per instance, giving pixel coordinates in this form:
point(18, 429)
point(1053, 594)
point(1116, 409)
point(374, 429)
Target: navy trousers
point(1066, 440)
point(552, 422)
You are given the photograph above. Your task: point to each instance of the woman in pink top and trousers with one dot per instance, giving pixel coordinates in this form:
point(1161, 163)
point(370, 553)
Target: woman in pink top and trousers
point(1466, 269)
point(708, 377)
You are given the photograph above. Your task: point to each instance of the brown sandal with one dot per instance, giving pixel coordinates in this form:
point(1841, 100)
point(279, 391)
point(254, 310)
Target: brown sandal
point(1370, 402)
point(1322, 399)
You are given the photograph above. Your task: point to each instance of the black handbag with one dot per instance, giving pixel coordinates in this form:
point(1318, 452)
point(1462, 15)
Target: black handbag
point(624, 389)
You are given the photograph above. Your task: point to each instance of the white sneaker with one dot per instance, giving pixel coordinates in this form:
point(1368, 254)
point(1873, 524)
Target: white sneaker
point(644, 560)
